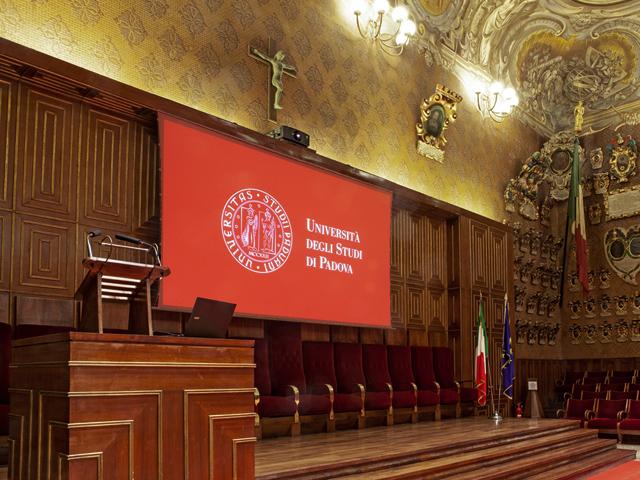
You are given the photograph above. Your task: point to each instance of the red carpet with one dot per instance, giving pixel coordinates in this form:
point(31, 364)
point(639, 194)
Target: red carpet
point(626, 471)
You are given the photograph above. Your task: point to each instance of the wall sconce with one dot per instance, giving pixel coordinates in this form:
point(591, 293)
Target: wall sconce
point(370, 17)
point(495, 101)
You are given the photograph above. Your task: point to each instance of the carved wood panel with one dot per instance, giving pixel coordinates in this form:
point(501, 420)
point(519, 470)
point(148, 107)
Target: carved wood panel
point(437, 257)
point(498, 256)
point(416, 306)
point(146, 202)
point(397, 242)
point(480, 271)
point(7, 141)
point(104, 169)
point(416, 247)
point(5, 249)
point(397, 303)
point(43, 256)
point(47, 154)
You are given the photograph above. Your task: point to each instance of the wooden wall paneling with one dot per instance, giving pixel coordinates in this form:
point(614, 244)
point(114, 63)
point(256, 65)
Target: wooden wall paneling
point(47, 160)
point(395, 336)
point(397, 243)
point(105, 169)
point(58, 312)
point(397, 303)
point(372, 335)
point(6, 224)
point(436, 259)
point(460, 244)
point(4, 308)
point(8, 102)
point(315, 333)
point(246, 328)
point(416, 305)
point(44, 253)
point(499, 247)
point(344, 334)
point(479, 244)
point(146, 202)
point(420, 338)
point(416, 246)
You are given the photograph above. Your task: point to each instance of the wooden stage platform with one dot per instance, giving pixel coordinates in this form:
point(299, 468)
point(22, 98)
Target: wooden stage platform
point(469, 448)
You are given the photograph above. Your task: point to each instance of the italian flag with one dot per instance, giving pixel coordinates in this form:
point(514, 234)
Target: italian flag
point(481, 357)
point(577, 221)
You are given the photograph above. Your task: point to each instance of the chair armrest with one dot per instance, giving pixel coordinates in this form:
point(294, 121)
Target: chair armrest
point(390, 387)
point(331, 398)
point(415, 395)
point(437, 387)
point(362, 397)
point(567, 396)
point(621, 415)
point(296, 399)
point(589, 414)
point(256, 401)
point(457, 386)
point(560, 413)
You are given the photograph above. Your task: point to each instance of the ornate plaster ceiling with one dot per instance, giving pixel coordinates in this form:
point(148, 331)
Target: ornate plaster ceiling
point(554, 53)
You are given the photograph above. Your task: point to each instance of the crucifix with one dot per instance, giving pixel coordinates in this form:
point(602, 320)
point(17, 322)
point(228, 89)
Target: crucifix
point(278, 68)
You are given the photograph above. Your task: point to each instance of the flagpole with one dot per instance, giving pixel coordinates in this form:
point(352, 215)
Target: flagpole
point(497, 416)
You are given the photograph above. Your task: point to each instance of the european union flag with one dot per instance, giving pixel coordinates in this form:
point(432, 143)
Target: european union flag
point(507, 364)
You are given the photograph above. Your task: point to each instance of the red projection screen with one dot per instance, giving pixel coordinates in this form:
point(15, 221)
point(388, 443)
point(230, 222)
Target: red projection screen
point(279, 238)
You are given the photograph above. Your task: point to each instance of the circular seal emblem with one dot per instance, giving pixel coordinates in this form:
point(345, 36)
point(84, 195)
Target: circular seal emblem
point(256, 230)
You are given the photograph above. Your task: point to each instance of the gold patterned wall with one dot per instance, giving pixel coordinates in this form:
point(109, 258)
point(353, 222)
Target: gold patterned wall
point(359, 105)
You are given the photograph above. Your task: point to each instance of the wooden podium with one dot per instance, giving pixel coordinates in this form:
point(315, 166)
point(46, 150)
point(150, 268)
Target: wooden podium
point(121, 407)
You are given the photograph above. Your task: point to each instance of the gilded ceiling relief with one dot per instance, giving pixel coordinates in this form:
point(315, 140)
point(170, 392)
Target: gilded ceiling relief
point(435, 7)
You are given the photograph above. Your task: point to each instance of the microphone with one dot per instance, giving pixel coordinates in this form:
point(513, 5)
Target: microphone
point(94, 233)
point(129, 239)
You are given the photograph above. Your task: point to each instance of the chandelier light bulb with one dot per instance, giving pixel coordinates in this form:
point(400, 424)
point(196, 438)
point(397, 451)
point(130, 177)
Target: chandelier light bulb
point(359, 6)
point(508, 94)
point(401, 39)
point(496, 87)
point(408, 27)
point(515, 101)
point(400, 14)
point(380, 6)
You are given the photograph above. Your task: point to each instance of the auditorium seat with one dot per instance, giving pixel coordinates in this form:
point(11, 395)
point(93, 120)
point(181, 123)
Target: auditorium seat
point(620, 387)
point(630, 425)
point(565, 386)
point(403, 380)
point(578, 388)
point(5, 358)
point(282, 409)
point(622, 376)
point(576, 409)
point(633, 388)
point(319, 371)
point(286, 372)
point(590, 395)
point(350, 377)
point(428, 388)
point(597, 376)
point(619, 395)
point(376, 373)
point(451, 390)
point(606, 415)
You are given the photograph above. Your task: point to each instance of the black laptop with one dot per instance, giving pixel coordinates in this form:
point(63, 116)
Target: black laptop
point(209, 318)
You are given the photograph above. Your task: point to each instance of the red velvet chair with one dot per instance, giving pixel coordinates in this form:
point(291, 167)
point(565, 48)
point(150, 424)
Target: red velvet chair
point(403, 380)
point(630, 425)
point(566, 384)
point(633, 388)
point(350, 376)
point(5, 358)
point(622, 376)
point(445, 375)
point(578, 388)
point(376, 373)
point(271, 408)
point(606, 415)
point(286, 372)
point(428, 388)
point(594, 377)
point(620, 387)
point(320, 373)
point(590, 395)
point(619, 395)
point(576, 409)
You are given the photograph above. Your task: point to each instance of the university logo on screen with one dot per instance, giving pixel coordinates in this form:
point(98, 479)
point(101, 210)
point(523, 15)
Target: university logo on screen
point(256, 230)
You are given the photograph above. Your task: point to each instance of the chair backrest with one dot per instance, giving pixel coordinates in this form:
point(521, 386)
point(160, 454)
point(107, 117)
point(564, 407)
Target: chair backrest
point(376, 367)
point(348, 366)
point(444, 366)
point(590, 395)
point(619, 387)
point(609, 408)
point(400, 367)
point(285, 364)
point(633, 408)
point(576, 407)
point(319, 366)
point(5, 359)
point(572, 377)
point(262, 380)
point(618, 395)
point(634, 387)
point(422, 359)
point(594, 377)
point(621, 376)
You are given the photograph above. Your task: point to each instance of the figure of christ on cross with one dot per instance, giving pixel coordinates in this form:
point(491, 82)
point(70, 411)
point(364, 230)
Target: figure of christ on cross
point(278, 69)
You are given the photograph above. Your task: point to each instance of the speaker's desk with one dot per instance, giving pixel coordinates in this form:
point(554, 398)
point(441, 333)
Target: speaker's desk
point(123, 407)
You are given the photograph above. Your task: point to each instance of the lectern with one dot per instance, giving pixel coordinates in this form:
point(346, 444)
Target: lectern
point(118, 281)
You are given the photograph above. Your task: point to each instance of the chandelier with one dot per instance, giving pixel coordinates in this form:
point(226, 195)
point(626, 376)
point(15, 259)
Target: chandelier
point(374, 17)
point(495, 101)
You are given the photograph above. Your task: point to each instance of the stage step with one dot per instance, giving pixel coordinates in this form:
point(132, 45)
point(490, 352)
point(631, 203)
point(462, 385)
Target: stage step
point(589, 465)
point(505, 461)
